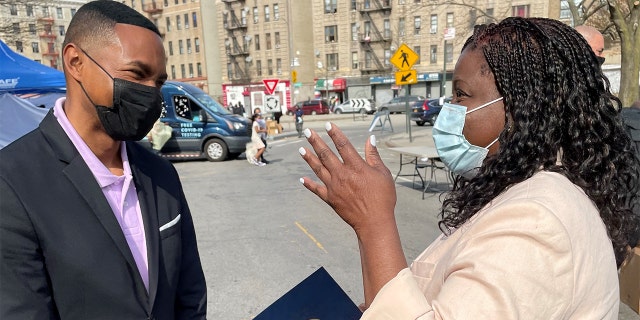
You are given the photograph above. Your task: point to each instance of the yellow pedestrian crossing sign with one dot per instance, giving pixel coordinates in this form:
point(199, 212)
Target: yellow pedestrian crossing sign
point(406, 77)
point(404, 58)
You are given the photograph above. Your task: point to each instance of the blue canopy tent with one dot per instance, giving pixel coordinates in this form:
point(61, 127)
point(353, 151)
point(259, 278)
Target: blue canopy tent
point(19, 74)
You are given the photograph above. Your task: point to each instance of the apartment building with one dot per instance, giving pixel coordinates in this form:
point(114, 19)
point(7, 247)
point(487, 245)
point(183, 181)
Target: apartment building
point(37, 29)
point(342, 48)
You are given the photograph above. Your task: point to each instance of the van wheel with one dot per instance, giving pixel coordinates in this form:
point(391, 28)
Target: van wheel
point(313, 113)
point(420, 123)
point(215, 150)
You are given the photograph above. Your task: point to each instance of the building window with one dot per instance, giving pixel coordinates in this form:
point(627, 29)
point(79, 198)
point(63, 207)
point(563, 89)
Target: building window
point(269, 67)
point(186, 21)
point(183, 71)
point(194, 18)
point(473, 17)
point(565, 13)
point(267, 39)
point(330, 6)
point(367, 4)
point(387, 28)
point(354, 60)
point(173, 72)
point(178, 23)
point(13, 9)
point(32, 29)
point(61, 30)
point(180, 47)
point(433, 54)
point(229, 71)
point(51, 47)
point(190, 70)
point(449, 48)
point(188, 46)
point(330, 33)
point(489, 17)
point(258, 67)
point(387, 57)
point(416, 49)
point(19, 47)
point(199, 69)
point(401, 24)
point(255, 14)
point(256, 39)
point(368, 59)
point(45, 11)
point(279, 66)
point(59, 13)
point(243, 17)
point(196, 42)
point(354, 31)
point(354, 5)
point(416, 25)
point(449, 19)
point(16, 27)
point(176, 2)
point(170, 48)
point(276, 12)
point(166, 3)
point(332, 62)
point(520, 11)
point(29, 10)
point(267, 15)
point(276, 36)
point(434, 24)
point(73, 12)
point(168, 22)
point(35, 48)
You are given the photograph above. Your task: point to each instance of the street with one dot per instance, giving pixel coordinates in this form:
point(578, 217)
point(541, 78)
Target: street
point(260, 232)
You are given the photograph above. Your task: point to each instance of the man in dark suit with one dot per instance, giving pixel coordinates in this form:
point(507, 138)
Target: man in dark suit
point(92, 226)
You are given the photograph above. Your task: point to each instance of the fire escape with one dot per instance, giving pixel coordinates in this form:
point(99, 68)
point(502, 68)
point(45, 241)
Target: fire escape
point(236, 44)
point(48, 36)
point(372, 40)
point(154, 10)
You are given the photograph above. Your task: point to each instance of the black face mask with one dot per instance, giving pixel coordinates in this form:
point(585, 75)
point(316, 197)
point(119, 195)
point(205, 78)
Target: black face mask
point(135, 109)
point(600, 60)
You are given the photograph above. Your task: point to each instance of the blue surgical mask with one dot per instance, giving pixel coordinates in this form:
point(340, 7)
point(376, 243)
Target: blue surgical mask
point(458, 154)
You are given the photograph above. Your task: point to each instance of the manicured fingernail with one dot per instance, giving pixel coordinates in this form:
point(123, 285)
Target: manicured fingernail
point(302, 180)
point(372, 140)
point(307, 133)
point(302, 151)
point(327, 126)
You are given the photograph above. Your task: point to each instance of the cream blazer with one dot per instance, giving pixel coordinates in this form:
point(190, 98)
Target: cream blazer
point(538, 251)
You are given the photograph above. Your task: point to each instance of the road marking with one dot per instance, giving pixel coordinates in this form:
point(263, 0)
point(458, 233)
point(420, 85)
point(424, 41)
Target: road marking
point(310, 237)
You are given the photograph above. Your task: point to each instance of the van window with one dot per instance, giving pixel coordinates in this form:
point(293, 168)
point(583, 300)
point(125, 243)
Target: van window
point(213, 105)
point(185, 108)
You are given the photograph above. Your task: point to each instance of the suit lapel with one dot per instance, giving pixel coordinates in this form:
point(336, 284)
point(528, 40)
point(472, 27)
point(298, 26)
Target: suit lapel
point(148, 206)
point(87, 187)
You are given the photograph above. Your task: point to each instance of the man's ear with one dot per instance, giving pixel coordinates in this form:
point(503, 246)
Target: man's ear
point(73, 61)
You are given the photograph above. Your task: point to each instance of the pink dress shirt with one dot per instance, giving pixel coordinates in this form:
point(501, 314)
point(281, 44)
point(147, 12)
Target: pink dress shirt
point(120, 192)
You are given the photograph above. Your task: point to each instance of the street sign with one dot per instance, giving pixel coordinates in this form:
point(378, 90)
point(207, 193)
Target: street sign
point(449, 33)
point(294, 76)
point(270, 85)
point(406, 77)
point(272, 103)
point(404, 58)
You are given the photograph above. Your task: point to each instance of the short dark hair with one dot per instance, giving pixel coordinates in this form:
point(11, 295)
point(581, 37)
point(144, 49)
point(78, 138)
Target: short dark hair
point(93, 23)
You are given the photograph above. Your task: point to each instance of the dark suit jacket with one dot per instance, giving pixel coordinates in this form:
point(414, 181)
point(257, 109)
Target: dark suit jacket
point(63, 254)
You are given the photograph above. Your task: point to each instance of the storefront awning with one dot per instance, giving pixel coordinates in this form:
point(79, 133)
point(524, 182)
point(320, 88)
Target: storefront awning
point(337, 84)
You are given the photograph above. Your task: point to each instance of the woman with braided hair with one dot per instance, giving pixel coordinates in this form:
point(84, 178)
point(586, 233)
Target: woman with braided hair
point(540, 215)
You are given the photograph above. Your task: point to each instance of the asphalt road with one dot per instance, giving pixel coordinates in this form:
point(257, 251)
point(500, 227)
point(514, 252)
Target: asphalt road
point(260, 232)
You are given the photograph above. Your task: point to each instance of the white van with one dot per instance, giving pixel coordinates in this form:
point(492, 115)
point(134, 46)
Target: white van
point(361, 106)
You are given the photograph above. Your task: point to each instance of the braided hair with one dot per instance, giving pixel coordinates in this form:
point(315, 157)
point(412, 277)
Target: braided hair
point(558, 106)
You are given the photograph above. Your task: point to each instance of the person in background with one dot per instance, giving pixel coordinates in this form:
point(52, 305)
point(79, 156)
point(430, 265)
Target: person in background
point(297, 116)
point(540, 214)
point(93, 225)
point(263, 132)
point(595, 40)
point(255, 147)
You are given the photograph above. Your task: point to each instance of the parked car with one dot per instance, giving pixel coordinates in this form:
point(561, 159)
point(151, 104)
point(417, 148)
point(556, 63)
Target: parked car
point(426, 110)
point(361, 106)
point(311, 107)
point(398, 104)
point(200, 125)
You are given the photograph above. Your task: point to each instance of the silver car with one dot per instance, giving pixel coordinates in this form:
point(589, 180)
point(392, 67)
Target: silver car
point(399, 103)
point(361, 106)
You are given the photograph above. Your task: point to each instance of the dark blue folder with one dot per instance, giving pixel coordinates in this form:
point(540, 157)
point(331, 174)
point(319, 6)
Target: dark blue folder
point(316, 297)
